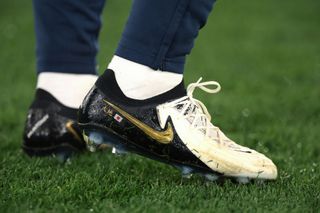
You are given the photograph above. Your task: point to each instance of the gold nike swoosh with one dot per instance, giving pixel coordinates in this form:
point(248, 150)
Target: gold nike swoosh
point(164, 137)
point(72, 130)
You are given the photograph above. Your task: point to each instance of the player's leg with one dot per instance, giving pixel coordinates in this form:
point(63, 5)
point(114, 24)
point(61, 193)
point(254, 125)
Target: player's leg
point(159, 35)
point(140, 103)
point(66, 39)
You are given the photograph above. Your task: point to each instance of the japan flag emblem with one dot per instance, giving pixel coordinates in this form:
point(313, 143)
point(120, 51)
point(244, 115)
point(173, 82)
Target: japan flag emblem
point(118, 118)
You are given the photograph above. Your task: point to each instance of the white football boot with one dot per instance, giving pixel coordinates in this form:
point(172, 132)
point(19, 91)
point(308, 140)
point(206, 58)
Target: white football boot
point(172, 127)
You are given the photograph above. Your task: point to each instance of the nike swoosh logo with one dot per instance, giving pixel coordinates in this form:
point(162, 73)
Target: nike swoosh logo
point(37, 125)
point(72, 131)
point(164, 137)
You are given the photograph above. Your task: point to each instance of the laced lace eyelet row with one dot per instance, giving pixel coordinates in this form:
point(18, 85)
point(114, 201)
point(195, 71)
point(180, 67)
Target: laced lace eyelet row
point(197, 108)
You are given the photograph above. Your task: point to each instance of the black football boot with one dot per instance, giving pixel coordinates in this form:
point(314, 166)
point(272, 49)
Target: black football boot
point(172, 127)
point(51, 128)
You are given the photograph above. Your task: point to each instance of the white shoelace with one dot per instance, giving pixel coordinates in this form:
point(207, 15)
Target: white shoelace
point(197, 114)
point(195, 111)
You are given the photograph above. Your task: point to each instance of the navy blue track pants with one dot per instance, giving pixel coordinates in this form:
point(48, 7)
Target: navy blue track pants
point(158, 33)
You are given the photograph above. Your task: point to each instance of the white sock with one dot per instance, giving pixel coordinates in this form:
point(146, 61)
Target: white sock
point(69, 89)
point(140, 82)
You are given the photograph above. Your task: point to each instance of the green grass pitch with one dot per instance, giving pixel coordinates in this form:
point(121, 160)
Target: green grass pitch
point(265, 54)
